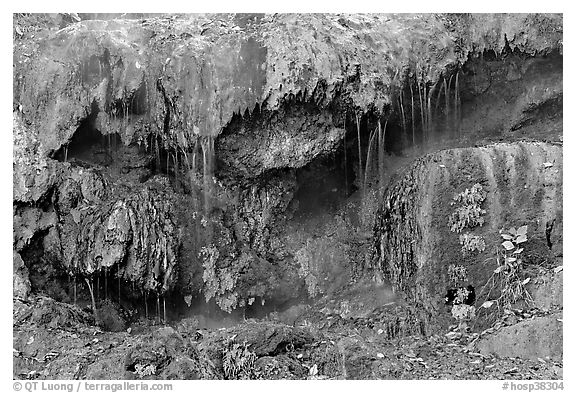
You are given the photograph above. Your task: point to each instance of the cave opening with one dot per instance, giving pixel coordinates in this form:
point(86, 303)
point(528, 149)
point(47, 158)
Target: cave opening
point(89, 145)
point(363, 159)
point(324, 184)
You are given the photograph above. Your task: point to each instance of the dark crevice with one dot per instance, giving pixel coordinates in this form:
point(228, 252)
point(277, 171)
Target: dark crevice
point(167, 106)
point(88, 146)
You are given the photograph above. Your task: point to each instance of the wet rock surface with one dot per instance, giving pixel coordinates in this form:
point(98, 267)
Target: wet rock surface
point(414, 245)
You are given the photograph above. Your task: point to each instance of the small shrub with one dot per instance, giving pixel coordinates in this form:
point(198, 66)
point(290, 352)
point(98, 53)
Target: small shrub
point(457, 274)
point(472, 243)
point(463, 313)
point(508, 275)
point(462, 310)
point(469, 212)
point(238, 361)
point(144, 370)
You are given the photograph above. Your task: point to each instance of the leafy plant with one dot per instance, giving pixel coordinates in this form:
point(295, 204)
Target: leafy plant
point(469, 212)
point(508, 275)
point(463, 312)
point(472, 243)
point(462, 309)
point(238, 360)
point(457, 274)
point(144, 370)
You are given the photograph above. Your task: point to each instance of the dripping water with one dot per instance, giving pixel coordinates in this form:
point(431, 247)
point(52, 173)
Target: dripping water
point(402, 111)
point(90, 288)
point(158, 307)
point(447, 89)
point(381, 151)
point(457, 105)
point(368, 161)
point(207, 145)
point(146, 303)
point(106, 282)
point(345, 159)
point(176, 167)
point(413, 120)
point(423, 126)
point(118, 272)
point(359, 146)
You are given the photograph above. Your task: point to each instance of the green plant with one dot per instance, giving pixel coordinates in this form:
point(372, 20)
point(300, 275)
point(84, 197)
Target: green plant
point(463, 313)
point(508, 275)
point(472, 243)
point(144, 370)
point(457, 274)
point(238, 360)
point(469, 212)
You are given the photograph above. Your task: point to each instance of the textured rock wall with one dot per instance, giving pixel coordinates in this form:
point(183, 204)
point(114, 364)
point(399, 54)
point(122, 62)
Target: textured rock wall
point(184, 76)
point(413, 241)
point(272, 92)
